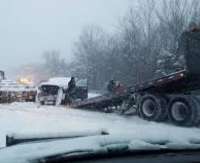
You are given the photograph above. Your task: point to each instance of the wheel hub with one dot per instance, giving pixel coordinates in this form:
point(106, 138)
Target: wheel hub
point(179, 111)
point(149, 107)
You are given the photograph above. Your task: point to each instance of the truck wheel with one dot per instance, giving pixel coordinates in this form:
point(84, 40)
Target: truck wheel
point(153, 108)
point(196, 121)
point(183, 111)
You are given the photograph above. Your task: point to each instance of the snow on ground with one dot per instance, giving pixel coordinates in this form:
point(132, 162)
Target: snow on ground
point(25, 118)
point(93, 94)
point(137, 134)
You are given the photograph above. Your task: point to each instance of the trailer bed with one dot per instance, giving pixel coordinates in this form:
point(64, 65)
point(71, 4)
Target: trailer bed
point(100, 102)
point(169, 83)
point(178, 82)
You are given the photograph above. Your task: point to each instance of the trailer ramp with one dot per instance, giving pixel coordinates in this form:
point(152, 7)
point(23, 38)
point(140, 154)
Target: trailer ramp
point(100, 102)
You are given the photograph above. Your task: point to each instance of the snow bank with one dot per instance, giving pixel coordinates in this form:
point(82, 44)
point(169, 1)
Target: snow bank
point(16, 138)
point(86, 145)
point(57, 134)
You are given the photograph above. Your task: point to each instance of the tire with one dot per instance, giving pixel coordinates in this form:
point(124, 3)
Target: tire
point(183, 111)
point(196, 121)
point(153, 108)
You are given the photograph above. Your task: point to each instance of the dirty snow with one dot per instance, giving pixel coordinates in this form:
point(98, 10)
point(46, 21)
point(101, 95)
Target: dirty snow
point(23, 118)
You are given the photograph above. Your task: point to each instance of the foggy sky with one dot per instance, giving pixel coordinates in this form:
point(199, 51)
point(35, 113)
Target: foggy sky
point(30, 27)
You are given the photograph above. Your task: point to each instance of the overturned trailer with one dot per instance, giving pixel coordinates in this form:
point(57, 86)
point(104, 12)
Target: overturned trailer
point(173, 97)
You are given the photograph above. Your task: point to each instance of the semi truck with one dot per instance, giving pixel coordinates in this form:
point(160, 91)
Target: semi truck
point(173, 97)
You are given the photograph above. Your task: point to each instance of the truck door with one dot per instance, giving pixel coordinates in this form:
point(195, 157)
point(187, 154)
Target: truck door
point(82, 89)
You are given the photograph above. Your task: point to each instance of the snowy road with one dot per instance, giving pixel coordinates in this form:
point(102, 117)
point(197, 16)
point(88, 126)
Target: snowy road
point(28, 118)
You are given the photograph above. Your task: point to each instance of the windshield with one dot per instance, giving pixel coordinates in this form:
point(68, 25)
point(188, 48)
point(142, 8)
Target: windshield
point(49, 89)
point(81, 77)
point(82, 83)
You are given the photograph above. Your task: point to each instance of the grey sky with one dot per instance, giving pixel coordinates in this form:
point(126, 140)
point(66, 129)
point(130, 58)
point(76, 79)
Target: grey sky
point(30, 27)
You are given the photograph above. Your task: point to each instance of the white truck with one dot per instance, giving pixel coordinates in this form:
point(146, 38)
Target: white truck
point(54, 91)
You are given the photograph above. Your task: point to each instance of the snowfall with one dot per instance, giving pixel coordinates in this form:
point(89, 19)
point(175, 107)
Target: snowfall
point(137, 134)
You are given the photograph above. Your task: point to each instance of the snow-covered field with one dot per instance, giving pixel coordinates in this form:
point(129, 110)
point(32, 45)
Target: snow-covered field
point(23, 118)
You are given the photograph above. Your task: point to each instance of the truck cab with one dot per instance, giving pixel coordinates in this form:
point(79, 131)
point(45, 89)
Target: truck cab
point(55, 91)
point(81, 89)
point(47, 94)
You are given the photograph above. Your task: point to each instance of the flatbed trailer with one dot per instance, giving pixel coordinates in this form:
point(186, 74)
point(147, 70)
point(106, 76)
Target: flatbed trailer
point(174, 97)
point(178, 82)
point(101, 103)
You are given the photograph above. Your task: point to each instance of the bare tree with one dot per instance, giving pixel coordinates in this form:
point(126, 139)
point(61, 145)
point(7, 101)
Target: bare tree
point(89, 52)
point(147, 36)
point(54, 64)
point(174, 17)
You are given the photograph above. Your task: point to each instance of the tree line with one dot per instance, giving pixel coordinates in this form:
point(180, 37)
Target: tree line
point(143, 46)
